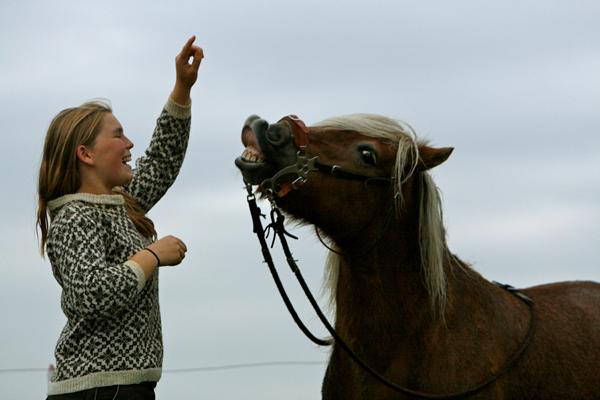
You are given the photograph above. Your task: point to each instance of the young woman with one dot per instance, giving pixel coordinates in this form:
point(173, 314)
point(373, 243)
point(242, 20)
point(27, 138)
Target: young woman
point(103, 249)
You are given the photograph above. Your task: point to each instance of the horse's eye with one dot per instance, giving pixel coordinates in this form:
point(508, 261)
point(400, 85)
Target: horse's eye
point(368, 157)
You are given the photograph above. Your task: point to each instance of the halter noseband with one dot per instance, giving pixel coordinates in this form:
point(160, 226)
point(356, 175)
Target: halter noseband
point(299, 131)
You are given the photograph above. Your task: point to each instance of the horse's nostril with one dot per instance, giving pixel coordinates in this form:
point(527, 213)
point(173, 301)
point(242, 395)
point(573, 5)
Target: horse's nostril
point(276, 135)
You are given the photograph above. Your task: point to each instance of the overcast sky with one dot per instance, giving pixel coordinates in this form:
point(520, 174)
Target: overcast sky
point(514, 86)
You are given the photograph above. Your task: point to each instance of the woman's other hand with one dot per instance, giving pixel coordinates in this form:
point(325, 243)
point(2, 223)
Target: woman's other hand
point(165, 251)
point(169, 249)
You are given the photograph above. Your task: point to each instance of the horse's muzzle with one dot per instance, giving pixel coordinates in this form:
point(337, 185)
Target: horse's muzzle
point(268, 149)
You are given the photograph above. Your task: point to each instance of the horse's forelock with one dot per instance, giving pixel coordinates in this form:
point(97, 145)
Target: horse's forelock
point(370, 125)
point(431, 230)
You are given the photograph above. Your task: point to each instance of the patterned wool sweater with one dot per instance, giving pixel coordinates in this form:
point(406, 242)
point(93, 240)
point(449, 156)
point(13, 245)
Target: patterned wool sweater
point(113, 331)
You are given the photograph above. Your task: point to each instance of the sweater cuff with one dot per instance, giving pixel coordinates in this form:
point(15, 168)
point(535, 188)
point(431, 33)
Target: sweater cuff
point(139, 273)
point(178, 110)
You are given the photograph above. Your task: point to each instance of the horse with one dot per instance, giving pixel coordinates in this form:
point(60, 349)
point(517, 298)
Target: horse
point(413, 311)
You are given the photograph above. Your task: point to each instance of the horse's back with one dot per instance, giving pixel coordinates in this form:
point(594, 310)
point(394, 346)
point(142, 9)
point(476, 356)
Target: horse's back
point(568, 310)
point(581, 295)
point(562, 360)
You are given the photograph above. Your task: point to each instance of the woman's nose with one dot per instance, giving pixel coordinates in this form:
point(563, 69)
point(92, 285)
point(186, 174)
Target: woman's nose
point(129, 143)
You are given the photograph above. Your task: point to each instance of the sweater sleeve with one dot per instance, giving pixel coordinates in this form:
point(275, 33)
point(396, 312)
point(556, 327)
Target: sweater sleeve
point(157, 169)
point(92, 287)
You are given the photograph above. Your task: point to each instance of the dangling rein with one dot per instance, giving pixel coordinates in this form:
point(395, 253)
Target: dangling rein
point(277, 225)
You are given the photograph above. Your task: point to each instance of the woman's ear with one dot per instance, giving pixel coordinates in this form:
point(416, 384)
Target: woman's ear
point(430, 157)
point(84, 155)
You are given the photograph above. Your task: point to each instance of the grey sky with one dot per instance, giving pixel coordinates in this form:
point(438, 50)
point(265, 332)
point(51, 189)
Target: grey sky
point(512, 85)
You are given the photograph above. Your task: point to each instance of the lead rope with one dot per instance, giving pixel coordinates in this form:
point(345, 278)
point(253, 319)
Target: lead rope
point(278, 226)
point(260, 233)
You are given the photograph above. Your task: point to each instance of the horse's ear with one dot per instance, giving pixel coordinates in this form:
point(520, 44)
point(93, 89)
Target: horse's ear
point(430, 157)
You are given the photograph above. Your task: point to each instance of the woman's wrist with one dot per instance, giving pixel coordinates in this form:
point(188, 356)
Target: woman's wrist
point(155, 256)
point(146, 260)
point(181, 94)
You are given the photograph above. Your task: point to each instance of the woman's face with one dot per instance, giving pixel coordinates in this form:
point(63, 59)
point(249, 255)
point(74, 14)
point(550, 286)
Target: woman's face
point(111, 153)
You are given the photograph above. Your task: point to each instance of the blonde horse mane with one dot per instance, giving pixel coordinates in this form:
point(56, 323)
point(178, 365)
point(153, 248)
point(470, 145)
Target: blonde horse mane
point(432, 241)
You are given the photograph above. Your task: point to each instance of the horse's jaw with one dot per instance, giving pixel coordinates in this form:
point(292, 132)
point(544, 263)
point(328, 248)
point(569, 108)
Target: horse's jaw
point(254, 172)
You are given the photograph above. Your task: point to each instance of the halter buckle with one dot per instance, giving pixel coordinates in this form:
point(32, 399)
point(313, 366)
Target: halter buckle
point(303, 166)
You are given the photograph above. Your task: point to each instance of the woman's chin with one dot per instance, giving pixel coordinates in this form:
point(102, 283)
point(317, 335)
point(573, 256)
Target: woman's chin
point(126, 178)
point(129, 172)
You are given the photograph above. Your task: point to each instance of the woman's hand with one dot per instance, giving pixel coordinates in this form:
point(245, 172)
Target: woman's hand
point(170, 250)
point(166, 251)
point(186, 71)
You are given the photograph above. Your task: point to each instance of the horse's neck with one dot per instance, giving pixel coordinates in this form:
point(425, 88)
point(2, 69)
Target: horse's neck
point(382, 290)
point(383, 308)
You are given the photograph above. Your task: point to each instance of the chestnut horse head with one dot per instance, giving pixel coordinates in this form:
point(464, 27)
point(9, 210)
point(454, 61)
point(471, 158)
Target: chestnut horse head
point(366, 165)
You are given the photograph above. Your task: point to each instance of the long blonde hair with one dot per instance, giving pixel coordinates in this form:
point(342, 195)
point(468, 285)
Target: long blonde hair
point(59, 169)
point(432, 238)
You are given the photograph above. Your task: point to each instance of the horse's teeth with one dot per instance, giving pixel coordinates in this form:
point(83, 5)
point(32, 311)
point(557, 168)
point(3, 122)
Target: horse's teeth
point(247, 155)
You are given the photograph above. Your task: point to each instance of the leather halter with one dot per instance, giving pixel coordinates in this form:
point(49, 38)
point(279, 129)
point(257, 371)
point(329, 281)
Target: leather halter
point(306, 164)
point(301, 140)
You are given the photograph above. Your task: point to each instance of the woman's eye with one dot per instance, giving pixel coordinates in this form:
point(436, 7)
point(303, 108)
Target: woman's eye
point(368, 157)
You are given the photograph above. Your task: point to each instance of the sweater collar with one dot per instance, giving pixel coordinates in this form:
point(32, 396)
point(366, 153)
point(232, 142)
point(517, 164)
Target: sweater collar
point(110, 199)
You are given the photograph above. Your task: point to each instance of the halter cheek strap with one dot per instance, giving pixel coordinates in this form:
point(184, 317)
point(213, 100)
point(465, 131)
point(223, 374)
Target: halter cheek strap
point(305, 164)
